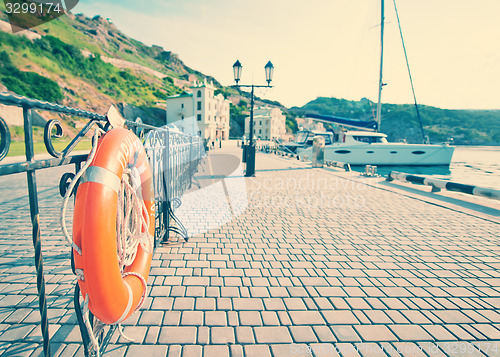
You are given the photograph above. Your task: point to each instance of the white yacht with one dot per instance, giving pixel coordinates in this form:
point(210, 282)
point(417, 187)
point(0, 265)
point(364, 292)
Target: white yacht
point(372, 148)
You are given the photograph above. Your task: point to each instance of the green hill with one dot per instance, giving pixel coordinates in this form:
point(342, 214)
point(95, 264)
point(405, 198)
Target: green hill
point(399, 121)
point(88, 63)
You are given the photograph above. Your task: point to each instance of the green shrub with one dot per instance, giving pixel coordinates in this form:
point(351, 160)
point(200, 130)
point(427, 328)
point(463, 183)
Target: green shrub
point(29, 84)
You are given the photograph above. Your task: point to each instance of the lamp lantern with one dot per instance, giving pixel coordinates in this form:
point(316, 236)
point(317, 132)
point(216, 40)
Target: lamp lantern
point(269, 72)
point(237, 71)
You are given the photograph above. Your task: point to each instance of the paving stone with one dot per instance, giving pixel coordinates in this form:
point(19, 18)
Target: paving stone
point(294, 349)
point(375, 333)
point(184, 303)
point(193, 318)
point(345, 334)
point(248, 304)
point(257, 351)
point(152, 335)
point(151, 318)
point(215, 318)
point(162, 303)
point(459, 332)
point(148, 350)
point(410, 333)
point(415, 317)
point(439, 333)
point(303, 334)
point(16, 332)
point(236, 351)
point(340, 317)
point(172, 318)
point(177, 335)
point(244, 335)
point(269, 335)
point(324, 334)
point(306, 318)
point(250, 318)
point(274, 304)
point(488, 330)
point(294, 304)
point(216, 351)
point(174, 351)
point(203, 335)
point(205, 304)
point(222, 335)
point(224, 304)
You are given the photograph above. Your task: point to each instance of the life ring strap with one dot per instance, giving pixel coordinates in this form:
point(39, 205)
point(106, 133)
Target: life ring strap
point(103, 176)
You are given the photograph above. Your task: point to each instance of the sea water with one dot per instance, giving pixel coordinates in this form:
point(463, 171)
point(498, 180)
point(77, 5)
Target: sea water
point(472, 165)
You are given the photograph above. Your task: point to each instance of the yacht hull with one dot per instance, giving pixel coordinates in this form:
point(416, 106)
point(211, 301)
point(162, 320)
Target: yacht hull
point(387, 154)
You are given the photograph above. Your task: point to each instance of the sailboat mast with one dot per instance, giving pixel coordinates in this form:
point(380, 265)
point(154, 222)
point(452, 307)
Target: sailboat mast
point(380, 80)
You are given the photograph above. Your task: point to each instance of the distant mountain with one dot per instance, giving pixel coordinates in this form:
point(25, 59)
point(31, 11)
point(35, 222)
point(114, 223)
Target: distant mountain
point(399, 121)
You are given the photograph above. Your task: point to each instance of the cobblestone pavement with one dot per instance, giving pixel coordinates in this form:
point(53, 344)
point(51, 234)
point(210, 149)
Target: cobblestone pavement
point(317, 264)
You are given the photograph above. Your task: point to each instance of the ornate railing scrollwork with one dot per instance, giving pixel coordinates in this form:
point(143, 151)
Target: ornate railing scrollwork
point(5, 139)
point(47, 136)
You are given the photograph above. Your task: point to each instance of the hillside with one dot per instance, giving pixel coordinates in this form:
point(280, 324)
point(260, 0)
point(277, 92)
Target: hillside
point(399, 121)
point(90, 64)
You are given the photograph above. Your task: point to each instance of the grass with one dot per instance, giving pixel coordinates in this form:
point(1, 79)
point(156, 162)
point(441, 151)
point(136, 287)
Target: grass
point(17, 147)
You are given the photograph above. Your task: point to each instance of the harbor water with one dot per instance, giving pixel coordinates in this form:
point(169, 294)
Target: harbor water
point(473, 165)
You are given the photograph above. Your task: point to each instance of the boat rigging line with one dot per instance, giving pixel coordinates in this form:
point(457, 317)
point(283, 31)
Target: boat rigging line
point(409, 73)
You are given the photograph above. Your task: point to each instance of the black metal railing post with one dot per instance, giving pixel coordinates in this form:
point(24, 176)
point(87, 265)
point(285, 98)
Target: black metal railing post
point(166, 182)
point(35, 221)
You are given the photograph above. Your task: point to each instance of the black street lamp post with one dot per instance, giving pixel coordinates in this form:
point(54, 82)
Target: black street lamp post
point(249, 150)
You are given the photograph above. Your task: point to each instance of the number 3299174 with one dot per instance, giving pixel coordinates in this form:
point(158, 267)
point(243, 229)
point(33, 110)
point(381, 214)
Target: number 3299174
point(32, 8)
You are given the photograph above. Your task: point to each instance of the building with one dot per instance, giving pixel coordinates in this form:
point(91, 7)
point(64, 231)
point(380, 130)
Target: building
point(200, 112)
point(269, 123)
point(309, 124)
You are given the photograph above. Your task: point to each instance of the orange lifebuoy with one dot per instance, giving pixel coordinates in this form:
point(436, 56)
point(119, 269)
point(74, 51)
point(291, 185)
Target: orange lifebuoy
point(113, 295)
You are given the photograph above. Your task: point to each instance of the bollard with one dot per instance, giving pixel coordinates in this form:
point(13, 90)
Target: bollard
point(318, 155)
point(244, 153)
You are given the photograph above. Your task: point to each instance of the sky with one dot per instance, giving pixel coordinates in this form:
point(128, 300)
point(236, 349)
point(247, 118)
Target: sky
point(328, 48)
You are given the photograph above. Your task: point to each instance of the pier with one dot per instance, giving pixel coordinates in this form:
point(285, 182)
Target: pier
point(314, 262)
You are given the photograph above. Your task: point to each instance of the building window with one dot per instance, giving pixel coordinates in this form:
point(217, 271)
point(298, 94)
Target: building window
point(198, 106)
point(260, 122)
point(198, 94)
point(183, 117)
point(182, 105)
point(199, 133)
point(198, 117)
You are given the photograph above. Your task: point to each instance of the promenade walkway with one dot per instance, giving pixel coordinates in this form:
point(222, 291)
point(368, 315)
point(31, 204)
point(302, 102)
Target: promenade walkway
point(308, 262)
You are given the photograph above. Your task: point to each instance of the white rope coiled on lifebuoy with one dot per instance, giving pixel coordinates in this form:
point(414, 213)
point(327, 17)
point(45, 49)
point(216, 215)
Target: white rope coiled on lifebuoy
point(132, 222)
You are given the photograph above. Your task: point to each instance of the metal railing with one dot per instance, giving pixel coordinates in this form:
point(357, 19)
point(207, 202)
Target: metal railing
point(174, 158)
